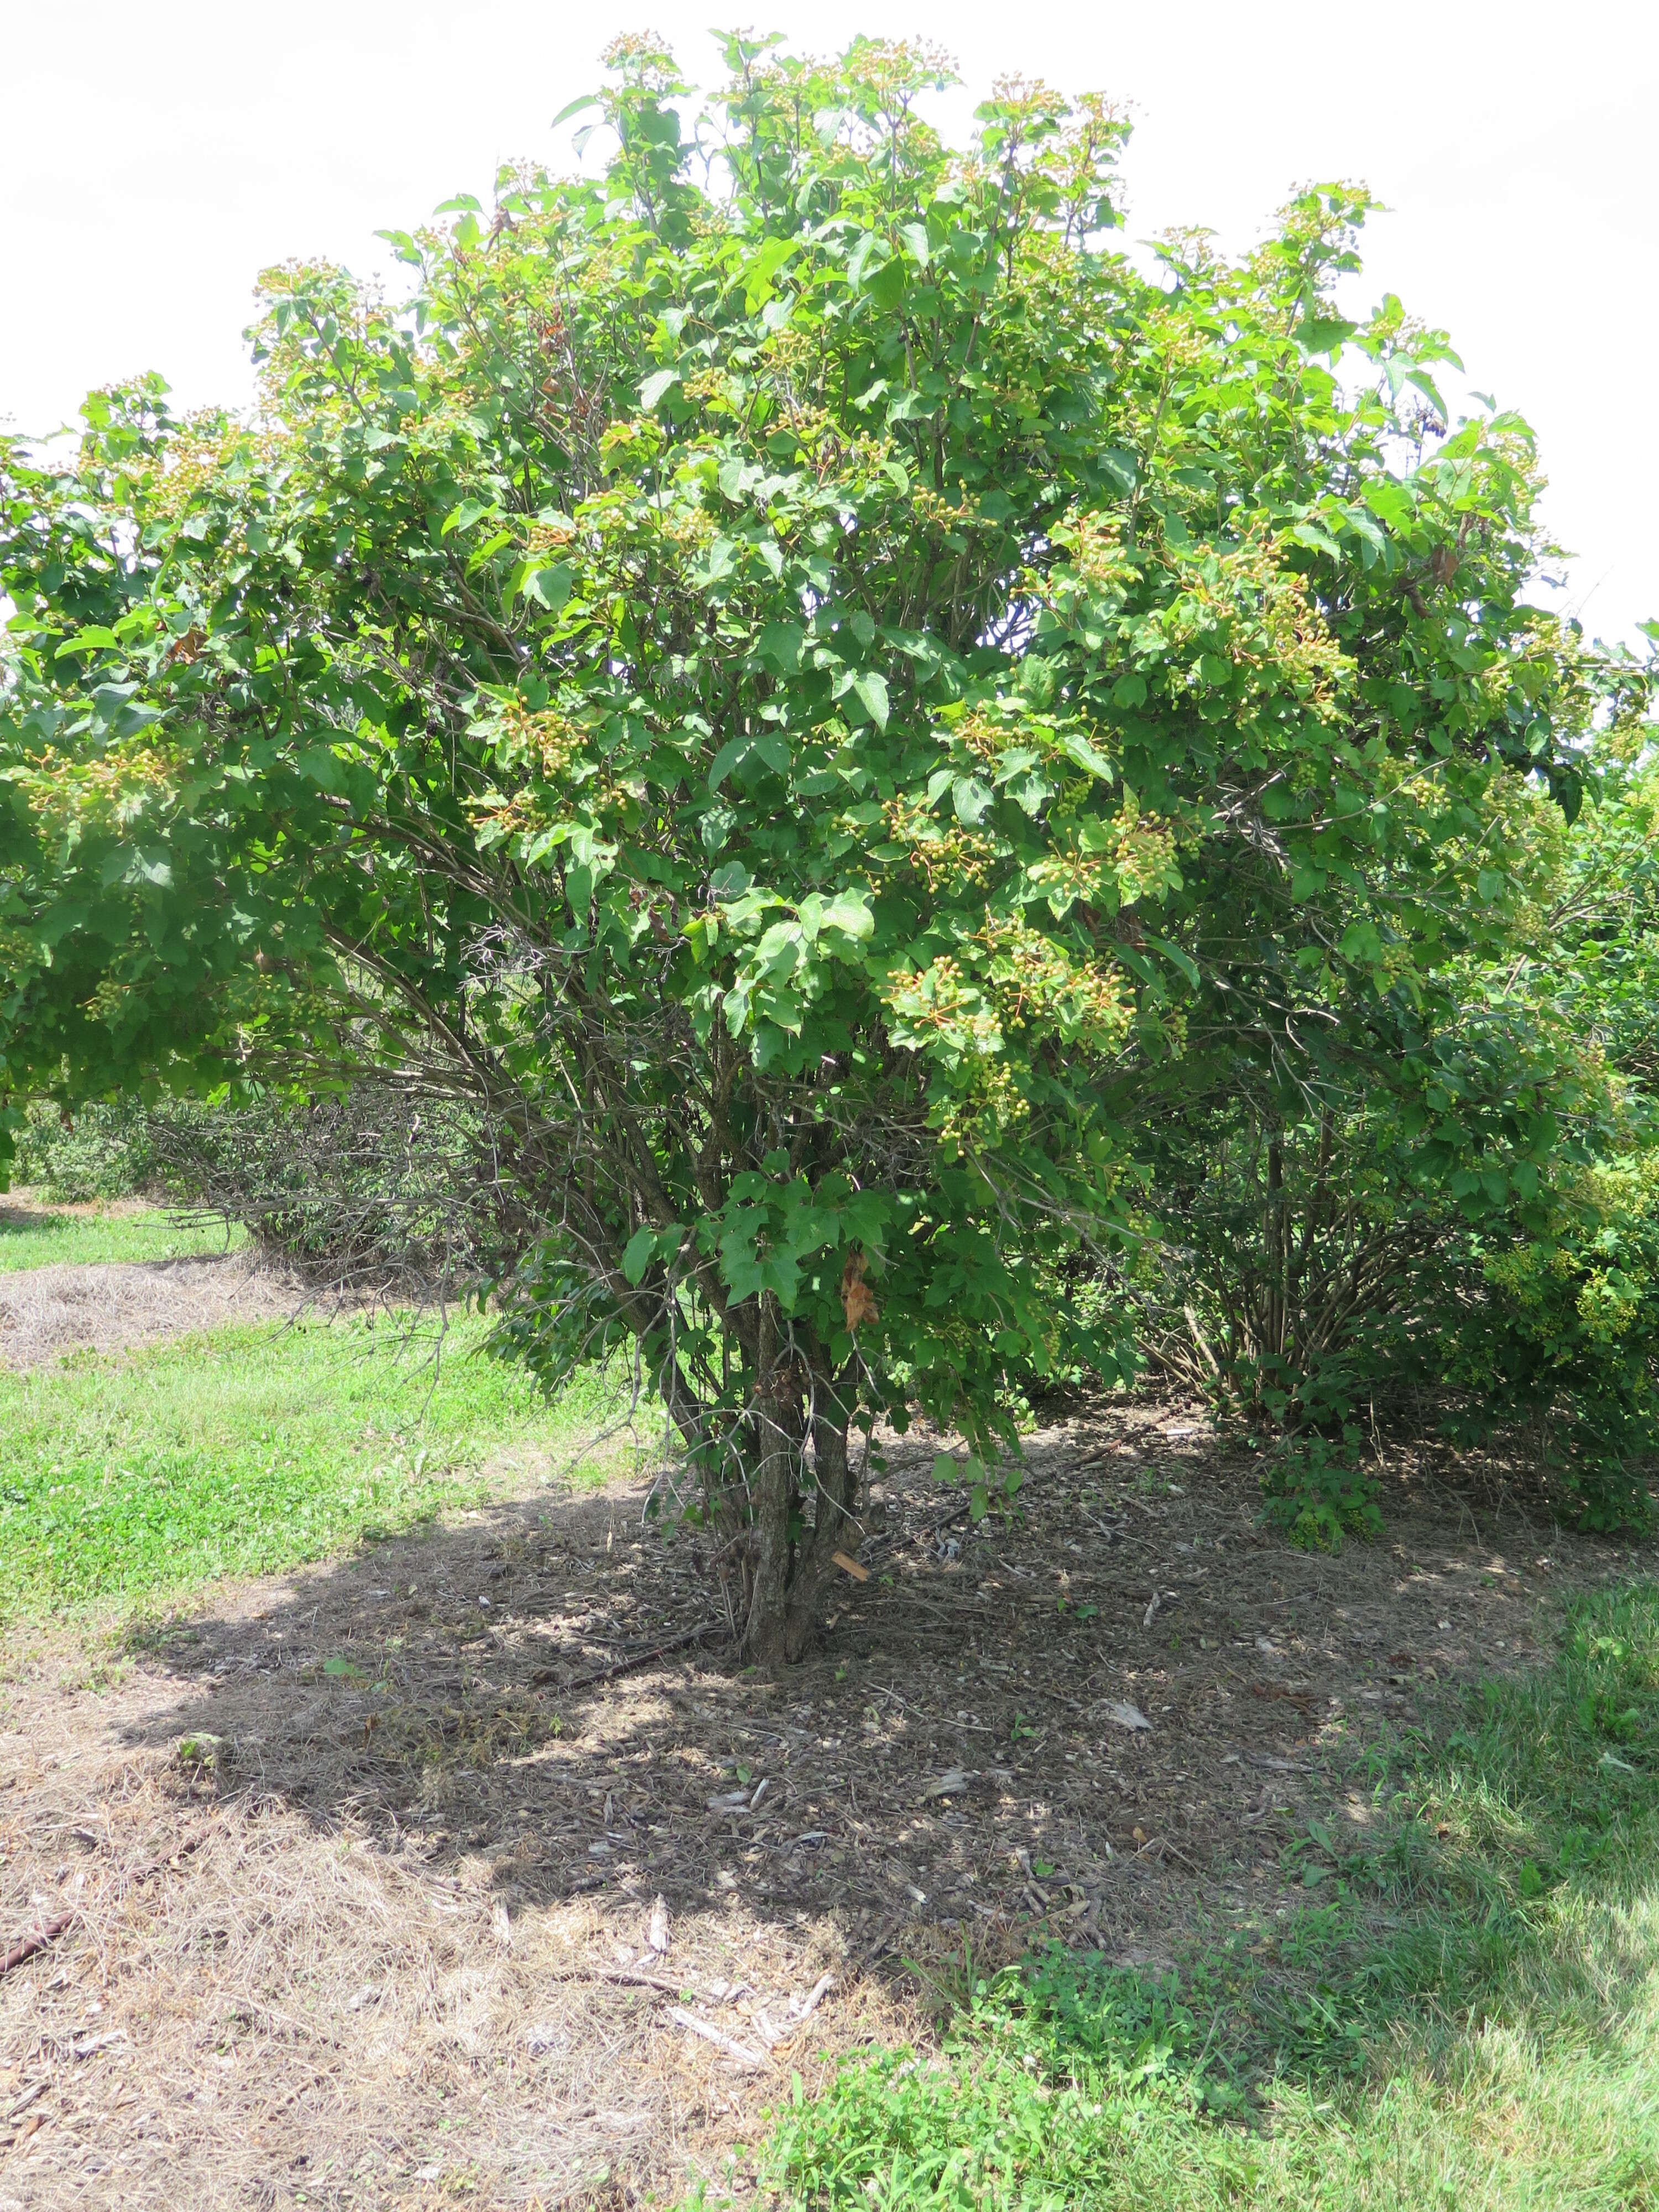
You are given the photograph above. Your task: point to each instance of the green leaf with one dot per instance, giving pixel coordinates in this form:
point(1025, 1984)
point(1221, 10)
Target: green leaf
point(638, 1253)
point(464, 516)
point(549, 587)
point(780, 645)
point(870, 688)
point(733, 750)
point(655, 386)
point(849, 912)
point(1326, 334)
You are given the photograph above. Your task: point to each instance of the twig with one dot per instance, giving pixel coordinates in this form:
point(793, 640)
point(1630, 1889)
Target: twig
point(1166, 1848)
point(27, 1946)
point(710, 2033)
point(625, 1975)
point(160, 1866)
point(890, 1542)
point(27, 2098)
point(626, 1666)
point(974, 1728)
point(819, 1990)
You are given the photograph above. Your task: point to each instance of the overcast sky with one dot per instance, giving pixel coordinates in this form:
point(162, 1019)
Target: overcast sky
point(159, 157)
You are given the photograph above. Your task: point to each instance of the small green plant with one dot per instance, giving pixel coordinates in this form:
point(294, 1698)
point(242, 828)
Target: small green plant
point(1317, 1494)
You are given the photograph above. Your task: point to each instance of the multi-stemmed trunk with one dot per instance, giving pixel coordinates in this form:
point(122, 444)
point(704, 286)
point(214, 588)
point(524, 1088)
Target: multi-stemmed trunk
point(795, 1463)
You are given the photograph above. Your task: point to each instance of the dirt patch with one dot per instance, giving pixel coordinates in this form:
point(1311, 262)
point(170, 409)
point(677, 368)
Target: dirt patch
point(388, 1938)
point(45, 1312)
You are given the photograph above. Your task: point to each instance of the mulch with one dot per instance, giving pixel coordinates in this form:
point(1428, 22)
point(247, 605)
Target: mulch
point(457, 1771)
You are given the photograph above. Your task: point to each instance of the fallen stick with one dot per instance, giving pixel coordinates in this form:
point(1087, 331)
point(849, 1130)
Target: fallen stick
point(918, 1534)
point(544, 1674)
point(819, 1990)
point(27, 1946)
point(710, 2033)
point(1167, 1850)
point(624, 1975)
point(161, 1866)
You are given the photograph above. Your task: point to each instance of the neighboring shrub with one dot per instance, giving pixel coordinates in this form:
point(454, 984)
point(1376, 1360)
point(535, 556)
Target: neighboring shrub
point(105, 1150)
point(376, 1187)
point(1557, 1333)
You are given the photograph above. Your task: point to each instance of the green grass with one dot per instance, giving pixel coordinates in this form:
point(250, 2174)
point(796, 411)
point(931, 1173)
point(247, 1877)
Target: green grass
point(1461, 2012)
point(50, 1240)
point(248, 1450)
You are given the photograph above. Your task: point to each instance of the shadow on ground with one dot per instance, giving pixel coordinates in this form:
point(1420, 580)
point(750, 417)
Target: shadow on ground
point(1128, 1682)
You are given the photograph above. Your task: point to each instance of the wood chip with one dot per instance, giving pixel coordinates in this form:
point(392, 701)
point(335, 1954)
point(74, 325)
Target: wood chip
point(1126, 1715)
point(95, 2043)
point(849, 1566)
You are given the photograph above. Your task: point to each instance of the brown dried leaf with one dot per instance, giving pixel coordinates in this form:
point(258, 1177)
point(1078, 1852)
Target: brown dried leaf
point(858, 1300)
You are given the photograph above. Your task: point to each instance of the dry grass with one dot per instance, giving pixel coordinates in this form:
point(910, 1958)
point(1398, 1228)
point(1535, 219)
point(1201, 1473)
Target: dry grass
point(364, 1954)
point(253, 2011)
point(45, 1312)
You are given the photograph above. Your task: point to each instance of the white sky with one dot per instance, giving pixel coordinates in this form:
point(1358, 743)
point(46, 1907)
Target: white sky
point(158, 157)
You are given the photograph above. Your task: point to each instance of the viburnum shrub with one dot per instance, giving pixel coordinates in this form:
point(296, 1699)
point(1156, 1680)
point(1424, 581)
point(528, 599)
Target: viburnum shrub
point(817, 696)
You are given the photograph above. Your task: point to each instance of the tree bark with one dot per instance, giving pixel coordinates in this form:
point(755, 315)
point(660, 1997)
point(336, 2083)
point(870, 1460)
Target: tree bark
point(833, 1530)
point(790, 1576)
point(771, 1482)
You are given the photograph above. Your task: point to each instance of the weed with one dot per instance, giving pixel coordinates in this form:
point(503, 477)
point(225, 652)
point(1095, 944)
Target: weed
point(1316, 1494)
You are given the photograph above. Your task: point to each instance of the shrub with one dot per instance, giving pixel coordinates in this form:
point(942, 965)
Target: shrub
point(826, 709)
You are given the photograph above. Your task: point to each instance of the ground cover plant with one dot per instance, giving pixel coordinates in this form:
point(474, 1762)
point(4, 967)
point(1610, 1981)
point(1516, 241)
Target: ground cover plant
point(36, 1236)
point(130, 1479)
point(1457, 2008)
point(910, 776)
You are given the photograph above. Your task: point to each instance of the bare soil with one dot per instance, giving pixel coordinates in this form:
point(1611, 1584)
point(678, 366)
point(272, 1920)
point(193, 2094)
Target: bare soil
point(378, 1933)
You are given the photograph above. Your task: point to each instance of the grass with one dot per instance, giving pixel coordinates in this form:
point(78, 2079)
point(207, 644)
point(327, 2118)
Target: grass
point(248, 1450)
point(1458, 2007)
point(33, 1239)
